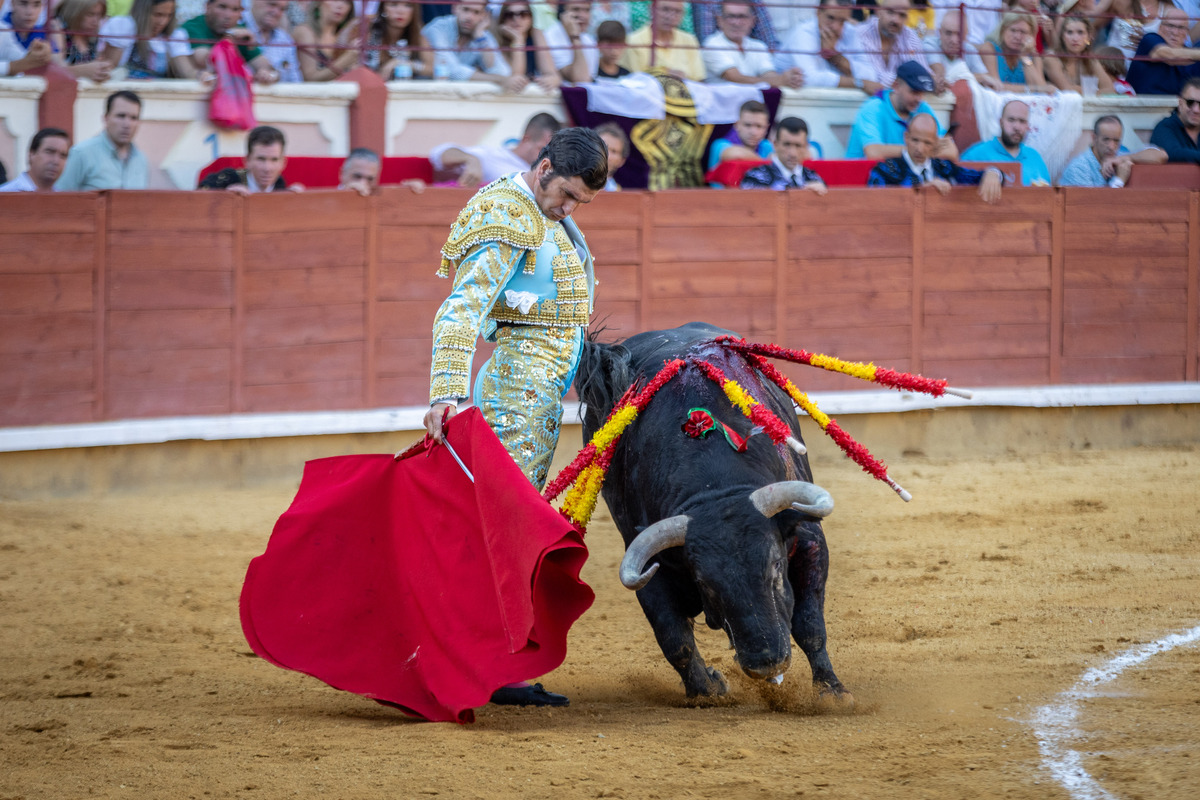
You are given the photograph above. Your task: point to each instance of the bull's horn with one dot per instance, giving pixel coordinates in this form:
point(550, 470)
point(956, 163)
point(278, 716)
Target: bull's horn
point(665, 533)
point(805, 497)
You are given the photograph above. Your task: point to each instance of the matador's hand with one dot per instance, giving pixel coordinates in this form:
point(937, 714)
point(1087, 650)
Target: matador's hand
point(435, 417)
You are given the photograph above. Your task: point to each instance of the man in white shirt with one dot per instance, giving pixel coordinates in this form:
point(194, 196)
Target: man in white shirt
point(464, 48)
point(884, 42)
point(982, 17)
point(265, 21)
point(473, 166)
point(731, 55)
point(47, 157)
point(574, 50)
point(817, 47)
point(951, 60)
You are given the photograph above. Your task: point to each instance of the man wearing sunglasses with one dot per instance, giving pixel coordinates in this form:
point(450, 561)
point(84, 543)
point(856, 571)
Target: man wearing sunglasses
point(1162, 63)
point(1179, 134)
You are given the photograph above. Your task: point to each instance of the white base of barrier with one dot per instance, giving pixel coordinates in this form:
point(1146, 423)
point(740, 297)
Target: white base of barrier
point(322, 423)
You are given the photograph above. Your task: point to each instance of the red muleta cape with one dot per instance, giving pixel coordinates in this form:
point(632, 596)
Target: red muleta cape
point(404, 582)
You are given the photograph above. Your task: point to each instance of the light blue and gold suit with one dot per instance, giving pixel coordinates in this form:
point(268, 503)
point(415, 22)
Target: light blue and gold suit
point(524, 282)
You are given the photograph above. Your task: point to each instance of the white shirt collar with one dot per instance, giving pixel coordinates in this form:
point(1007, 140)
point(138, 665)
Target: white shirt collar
point(917, 169)
point(788, 174)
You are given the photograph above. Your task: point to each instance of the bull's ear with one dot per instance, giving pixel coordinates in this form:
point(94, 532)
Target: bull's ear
point(603, 376)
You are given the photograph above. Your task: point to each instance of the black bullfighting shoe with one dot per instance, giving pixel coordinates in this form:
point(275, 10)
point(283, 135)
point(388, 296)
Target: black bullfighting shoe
point(533, 695)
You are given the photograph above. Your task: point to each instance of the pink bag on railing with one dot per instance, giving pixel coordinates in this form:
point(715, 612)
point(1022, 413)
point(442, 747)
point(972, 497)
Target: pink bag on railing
point(231, 104)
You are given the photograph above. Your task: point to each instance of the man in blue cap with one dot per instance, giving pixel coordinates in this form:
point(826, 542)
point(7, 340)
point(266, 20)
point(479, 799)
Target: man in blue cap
point(878, 131)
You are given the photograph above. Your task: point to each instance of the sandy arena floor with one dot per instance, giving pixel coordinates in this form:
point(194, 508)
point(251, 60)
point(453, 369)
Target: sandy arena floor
point(953, 619)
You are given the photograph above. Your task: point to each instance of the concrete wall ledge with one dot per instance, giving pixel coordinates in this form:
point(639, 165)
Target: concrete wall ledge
point(327, 423)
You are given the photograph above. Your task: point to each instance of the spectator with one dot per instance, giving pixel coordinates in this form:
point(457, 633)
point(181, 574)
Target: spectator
point(47, 157)
point(323, 44)
point(640, 12)
point(675, 50)
point(603, 11)
point(360, 171)
point(786, 168)
point(1039, 14)
point(1106, 162)
point(951, 59)
point(817, 47)
point(1072, 60)
point(109, 160)
point(1163, 63)
point(916, 166)
point(1010, 146)
point(1179, 133)
point(21, 52)
point(78, 41)
point(216, 23)
point(759, 25)
point(148, 43)
point(610, 40)
point(574, 50)
point(396, 49)
point(473, 166)
point(523, 46)
point(1113, 62)
point(1126, 29)
point(1011, 58)
point(618, 151)
point(263, 170)
point(467, 51)
point(921, 19)
point(982, 17)
point(878, 130)
point(265, 21)
point(747, 139)
point(731, 55)
point(883, 43)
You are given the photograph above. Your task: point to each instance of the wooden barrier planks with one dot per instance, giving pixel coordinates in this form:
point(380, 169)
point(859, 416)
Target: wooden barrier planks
point(129, 304)
point(47, 309)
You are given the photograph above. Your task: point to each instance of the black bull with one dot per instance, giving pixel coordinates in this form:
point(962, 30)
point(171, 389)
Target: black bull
point(738, 535)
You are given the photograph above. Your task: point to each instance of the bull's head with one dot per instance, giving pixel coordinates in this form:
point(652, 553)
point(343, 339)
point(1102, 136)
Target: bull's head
point(740, 567)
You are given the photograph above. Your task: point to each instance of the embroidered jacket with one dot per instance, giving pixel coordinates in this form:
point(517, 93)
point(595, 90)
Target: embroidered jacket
point(897, 172)
point(768, 176)
point(512, 266)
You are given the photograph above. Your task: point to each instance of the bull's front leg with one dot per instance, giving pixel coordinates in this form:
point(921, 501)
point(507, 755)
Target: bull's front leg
point(807, 571)
point(664, 605)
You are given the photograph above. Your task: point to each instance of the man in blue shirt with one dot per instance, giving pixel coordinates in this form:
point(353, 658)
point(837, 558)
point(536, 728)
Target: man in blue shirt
point(1009, 146)
point(1106, 162)
point(109, 160)
point(748, 139)
point(465, 50)
point(878, 131)
point(1179, 133)
point(1162, 63)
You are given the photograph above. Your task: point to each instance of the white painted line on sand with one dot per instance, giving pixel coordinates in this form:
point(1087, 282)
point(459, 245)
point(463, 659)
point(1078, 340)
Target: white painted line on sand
point(1054, 724)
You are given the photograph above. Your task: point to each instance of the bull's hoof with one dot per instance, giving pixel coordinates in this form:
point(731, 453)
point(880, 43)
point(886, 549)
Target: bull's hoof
point(714, 686)
point(834, 698)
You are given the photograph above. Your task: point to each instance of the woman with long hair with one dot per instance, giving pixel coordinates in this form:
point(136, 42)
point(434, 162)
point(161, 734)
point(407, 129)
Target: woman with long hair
point(1010, 57)
point(396, 48)
point(148, 43)
point(78, 38)
point(326, 44)
point(1073, 59)
point(523, 46)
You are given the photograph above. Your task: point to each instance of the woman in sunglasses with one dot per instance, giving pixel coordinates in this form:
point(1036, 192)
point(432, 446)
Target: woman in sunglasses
point(524, 46)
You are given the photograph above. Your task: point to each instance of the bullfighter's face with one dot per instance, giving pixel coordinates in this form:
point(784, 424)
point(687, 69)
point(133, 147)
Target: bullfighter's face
point(558, 196)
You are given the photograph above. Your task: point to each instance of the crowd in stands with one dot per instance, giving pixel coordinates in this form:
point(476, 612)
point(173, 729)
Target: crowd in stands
point(896, 52)
point(1092, 46)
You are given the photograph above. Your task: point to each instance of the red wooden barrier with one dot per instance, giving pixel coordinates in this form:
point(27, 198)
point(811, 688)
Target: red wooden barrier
point(136, 304)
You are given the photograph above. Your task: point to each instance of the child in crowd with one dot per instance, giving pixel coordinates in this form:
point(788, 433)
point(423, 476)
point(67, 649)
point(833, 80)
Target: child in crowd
point(1113, 62)
point(610, 39)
